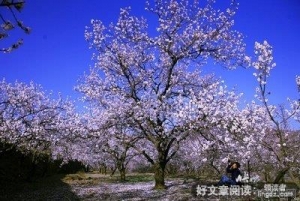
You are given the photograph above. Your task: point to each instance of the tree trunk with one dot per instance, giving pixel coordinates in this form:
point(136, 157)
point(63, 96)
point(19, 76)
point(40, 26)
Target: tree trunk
point(294, 179)
point(122, 174)
point(122, 169)
point(267, 174)
point(159, 175)
point(280, 175)
point(159, 165)
point(103, 169)
point(113, 171)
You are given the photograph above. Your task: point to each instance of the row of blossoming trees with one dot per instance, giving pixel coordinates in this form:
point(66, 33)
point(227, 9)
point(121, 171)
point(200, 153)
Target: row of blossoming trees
point(148, 101)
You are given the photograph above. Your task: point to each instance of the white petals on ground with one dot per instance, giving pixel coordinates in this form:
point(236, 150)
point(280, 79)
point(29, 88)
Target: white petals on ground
point(137, 191)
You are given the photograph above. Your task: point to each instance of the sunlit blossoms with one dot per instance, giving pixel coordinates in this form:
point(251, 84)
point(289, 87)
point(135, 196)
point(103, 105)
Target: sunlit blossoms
point(153, 83)
point(298, 82)
point(264, 63)
point(29, 119)
point(280, 142)
point(148, 101)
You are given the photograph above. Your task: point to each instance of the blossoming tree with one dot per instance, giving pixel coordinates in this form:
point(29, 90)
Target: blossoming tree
point(154, 81)
point(113, 140)
point(279, 147)
point(29, 120)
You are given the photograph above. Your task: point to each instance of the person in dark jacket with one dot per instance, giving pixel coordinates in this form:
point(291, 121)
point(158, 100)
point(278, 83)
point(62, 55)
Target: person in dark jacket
point(233, 169)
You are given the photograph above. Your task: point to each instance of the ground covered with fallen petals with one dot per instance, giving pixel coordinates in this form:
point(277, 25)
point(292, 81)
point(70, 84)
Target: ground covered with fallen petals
point(94, 186)
point(177, 189)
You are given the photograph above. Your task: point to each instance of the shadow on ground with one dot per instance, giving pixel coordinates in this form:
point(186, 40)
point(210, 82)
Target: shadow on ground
point(47, 188)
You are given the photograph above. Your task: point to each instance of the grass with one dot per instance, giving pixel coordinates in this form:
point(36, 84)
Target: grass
point(95, 178)
point(145, 177)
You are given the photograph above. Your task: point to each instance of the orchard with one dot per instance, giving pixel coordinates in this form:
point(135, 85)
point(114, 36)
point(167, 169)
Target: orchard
point(150, 107)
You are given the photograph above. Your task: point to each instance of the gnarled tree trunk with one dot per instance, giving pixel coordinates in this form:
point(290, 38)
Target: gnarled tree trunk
point(159, 175)
point(280, 175)
point(122, 171)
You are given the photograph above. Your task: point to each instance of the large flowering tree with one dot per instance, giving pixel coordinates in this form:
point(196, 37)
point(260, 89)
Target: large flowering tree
point(279, 147)
point(153, 82)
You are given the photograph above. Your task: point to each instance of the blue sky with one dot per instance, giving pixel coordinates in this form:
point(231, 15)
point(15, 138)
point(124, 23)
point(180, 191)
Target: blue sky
point(55, 54)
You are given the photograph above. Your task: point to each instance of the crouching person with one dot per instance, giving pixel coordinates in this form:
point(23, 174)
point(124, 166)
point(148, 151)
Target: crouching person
point(233, 170)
